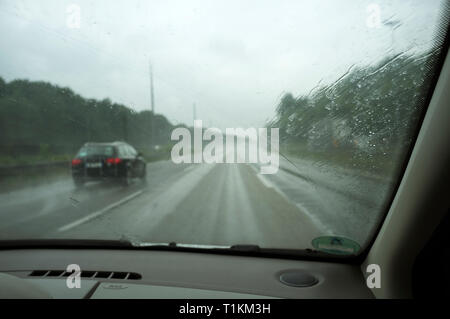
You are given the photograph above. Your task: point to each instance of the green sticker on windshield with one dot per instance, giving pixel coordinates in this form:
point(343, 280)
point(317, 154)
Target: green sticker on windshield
point(336, 245)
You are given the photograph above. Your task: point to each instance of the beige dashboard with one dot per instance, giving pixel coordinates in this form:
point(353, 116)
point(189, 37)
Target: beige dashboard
point(169, 274)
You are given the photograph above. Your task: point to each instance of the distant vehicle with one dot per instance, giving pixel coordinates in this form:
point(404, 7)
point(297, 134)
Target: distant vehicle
point(116, 160)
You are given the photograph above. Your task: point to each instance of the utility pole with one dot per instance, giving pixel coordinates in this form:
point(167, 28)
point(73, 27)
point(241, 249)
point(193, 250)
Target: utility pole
point(152, 104)
point(194, 110)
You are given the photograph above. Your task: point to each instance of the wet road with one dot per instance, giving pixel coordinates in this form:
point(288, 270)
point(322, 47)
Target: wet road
point(213, 204)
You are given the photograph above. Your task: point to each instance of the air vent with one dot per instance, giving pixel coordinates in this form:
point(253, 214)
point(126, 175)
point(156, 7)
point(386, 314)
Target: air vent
point(89, 274)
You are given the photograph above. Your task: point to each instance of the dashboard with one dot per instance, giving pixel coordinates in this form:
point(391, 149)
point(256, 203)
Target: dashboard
point(41, 273)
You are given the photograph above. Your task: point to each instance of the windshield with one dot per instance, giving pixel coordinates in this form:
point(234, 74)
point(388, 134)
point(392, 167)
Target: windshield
point(278, 124)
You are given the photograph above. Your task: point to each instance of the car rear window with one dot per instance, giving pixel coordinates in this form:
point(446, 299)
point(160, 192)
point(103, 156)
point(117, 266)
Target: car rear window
point(96, 150)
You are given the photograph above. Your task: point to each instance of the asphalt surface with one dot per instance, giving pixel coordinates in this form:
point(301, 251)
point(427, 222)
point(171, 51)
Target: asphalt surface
point(211, 204)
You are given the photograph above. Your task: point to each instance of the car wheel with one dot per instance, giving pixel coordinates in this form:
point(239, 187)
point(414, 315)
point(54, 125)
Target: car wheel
point(128, 177)
point(144, 173)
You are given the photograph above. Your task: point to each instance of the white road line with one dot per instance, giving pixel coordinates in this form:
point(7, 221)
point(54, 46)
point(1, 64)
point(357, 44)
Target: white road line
point(265, 181)
point(98, 213)
point(317, 222)
point(262, 179)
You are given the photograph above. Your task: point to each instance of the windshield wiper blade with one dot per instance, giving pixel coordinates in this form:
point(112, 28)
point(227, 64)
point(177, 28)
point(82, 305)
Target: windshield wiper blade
point(239, 248)
point(56, 242)
point(178, 245)
point(246, 248)
point(126, 243)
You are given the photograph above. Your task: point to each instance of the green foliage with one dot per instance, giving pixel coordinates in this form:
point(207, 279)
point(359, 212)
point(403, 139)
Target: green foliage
point(41, 120)
point(366, 118)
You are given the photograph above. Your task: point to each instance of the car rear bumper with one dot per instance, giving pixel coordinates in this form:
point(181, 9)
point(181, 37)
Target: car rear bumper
point(96, 174)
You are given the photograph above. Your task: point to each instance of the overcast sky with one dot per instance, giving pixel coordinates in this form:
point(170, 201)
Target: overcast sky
point(232, 58)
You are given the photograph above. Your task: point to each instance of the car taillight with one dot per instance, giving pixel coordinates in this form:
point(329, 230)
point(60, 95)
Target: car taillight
point(113, 160)
point(76, 161)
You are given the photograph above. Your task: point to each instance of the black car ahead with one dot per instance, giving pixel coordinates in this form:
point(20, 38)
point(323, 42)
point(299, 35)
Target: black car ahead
point(116, 160)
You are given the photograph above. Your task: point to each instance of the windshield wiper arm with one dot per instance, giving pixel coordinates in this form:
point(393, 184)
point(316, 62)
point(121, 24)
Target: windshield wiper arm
point(56, 242)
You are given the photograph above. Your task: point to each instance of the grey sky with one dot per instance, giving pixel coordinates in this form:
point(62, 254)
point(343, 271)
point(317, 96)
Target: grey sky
point(232, 58)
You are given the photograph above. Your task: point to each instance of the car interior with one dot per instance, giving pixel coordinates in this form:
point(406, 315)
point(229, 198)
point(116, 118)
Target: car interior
point(409, 249)
point(414, 231)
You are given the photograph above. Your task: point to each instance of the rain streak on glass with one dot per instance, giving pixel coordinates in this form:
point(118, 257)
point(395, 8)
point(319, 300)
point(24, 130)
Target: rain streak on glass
point(92, 92)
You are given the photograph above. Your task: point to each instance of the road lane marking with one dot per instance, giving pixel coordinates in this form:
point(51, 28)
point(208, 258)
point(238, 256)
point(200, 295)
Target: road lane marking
point(265, 181)
point(314, 219)
point(98, 213)
point(157, 206)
